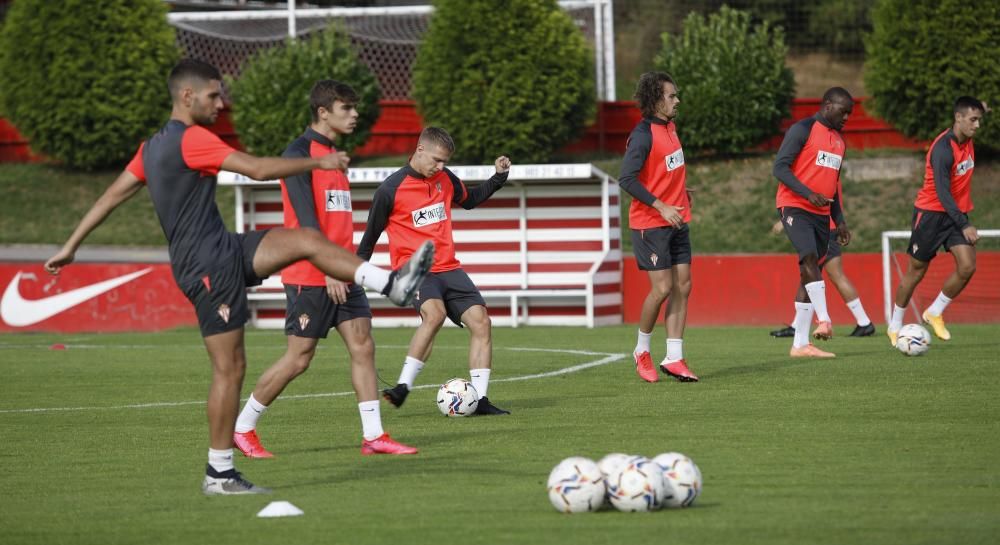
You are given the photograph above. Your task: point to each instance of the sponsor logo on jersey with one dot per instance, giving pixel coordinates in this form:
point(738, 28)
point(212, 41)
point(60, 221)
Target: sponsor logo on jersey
point(965, 166)
point(338, 200)
point(428, 215)
point(828, 160)
point(675, 160)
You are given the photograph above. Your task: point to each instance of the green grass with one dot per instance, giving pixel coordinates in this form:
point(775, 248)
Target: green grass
point(872, 447)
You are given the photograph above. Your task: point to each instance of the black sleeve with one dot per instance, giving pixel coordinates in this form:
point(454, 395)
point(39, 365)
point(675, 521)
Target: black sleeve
point(942, 161)
point(299, 189)
point(636, 151)
point(479, 194)
point(791, 146)
point(837, 211)
point(378, 218)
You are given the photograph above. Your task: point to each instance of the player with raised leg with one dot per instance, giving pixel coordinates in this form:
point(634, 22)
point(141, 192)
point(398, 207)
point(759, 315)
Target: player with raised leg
point(316, 303)
point(941, 218)
point(414, 205)
point(808, 198)
point(212, 267)
point(654, 173)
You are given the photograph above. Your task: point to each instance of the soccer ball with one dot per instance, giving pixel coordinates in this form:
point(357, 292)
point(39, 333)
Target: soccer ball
point(681, 479)
point(913, 340)
point(612, 462)
point(576, 485)
point(638, 486)
point(457, 397)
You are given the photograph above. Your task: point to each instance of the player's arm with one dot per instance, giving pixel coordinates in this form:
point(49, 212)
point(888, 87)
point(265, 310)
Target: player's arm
point(636, 151)
point(942, 162)
point(791, 146)
point(378, 219)
point(471, 198)
point(837, 213)
point(269, 168)
point(122, 189)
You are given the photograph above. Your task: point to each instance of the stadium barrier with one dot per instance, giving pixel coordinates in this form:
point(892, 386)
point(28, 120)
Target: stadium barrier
point(544, 250)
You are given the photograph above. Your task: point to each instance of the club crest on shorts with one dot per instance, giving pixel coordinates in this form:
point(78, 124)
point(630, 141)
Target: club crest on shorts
point(788, 220)
point(654, 258)
point(303, 321)
point(915, 248)
point(224, 312)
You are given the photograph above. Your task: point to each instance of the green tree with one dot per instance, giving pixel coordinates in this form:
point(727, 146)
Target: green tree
point(734, 86)
point(512, 77)
point(85, 80)
point(271, 96)
point(924, 54)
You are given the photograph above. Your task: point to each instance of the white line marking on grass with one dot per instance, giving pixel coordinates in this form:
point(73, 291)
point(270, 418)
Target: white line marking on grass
point(608, 358)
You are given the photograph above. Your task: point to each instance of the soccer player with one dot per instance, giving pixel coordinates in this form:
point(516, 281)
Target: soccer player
point(414, 205)
point(315, 303)
point(212, 267)
point(808, 198)
point(654, 173)
point(941, 218)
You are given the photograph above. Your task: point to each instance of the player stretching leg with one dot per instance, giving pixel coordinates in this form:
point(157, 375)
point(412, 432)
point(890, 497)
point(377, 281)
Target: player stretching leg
point(941, 218)
point(654, 173)
point(808, 198)
point(316, 303)
point(212, 267)
point(413, 205)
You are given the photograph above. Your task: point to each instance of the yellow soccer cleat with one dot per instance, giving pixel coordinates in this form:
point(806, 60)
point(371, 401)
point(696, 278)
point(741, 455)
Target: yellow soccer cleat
point(892, 336)
point(937, 324)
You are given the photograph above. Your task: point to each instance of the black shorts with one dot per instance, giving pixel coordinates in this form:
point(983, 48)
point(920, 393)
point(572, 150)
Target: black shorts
point(220, 295)
point(454, 288)
point(808, 232)
point(931, 231)
point(833, 250)
point(660, 248)
point(311, 313)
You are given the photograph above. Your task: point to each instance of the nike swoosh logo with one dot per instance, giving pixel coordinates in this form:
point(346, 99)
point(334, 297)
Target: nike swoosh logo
point(17, 311)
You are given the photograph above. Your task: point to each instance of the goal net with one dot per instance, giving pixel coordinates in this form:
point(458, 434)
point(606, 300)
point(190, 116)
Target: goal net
point(386, 38)
point(979, 302)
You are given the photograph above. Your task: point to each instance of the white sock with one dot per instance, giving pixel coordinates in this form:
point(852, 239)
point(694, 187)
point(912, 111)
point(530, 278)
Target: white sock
point(803, 318)
point(480, 380)
point(249, 415)
point(858, 310)
point(939, 304)
point(642, 342)
point(675, 350)
point(817, 296)
point(221, 460)
point(370, 276)
point(371, 419)
point(896, 322)
point(411, 368)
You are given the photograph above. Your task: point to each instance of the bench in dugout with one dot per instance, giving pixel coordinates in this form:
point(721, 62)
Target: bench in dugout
point(544, 250)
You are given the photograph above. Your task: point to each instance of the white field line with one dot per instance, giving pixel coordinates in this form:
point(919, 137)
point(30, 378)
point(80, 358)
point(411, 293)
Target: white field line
point(608, 358)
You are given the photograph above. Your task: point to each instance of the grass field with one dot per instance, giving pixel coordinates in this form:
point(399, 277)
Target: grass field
point(105, 442)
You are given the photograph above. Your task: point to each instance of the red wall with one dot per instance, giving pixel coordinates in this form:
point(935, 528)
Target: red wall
point(759, 289)
point(397, 128)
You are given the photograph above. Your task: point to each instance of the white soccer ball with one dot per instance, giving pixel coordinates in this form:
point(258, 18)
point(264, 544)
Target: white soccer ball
point(576, 485)
point(913, 340)
point(638, 486)
point(681, 479)
point(613, 462)
point(457, 397)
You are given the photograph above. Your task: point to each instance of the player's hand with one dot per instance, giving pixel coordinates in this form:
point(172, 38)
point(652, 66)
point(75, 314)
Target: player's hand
point(335, 161)
point(337, 290)
point(671, 214)
point(843, 234)
point(820, 200)
point(502, 163)
point(971, 234)
point(776, 229)
point(60, 260)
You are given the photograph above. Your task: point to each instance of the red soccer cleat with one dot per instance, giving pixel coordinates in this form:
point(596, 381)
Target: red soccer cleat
point(679, 370)
point(644, 367)
point(810, 351)
point(249, 445)
point(383, 444)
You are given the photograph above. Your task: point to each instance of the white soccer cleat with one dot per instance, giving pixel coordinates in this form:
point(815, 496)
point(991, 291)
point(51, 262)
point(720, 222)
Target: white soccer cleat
point(405, 281)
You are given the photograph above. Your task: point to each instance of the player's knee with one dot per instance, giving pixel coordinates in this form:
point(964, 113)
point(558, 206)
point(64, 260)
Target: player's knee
point(433, 318)
point(965, 270)
point(299, 363)
point(480, 324)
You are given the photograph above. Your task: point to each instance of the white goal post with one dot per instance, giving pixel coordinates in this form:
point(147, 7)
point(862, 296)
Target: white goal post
point(386, 37)
point(888, 264)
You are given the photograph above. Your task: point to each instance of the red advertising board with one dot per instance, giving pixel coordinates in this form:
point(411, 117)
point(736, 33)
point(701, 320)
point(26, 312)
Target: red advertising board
point(91, 297)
